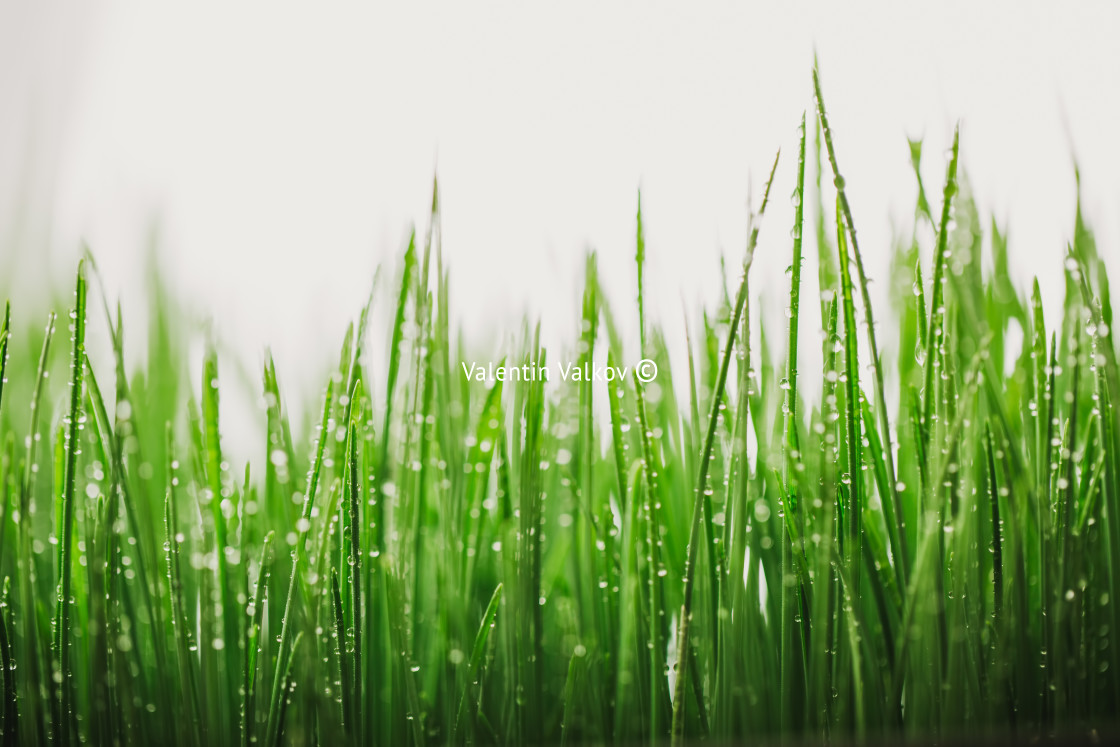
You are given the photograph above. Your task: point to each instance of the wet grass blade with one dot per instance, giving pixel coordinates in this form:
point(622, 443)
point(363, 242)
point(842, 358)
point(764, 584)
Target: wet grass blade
point(40, 667)
point(791, 667)
point(395, 353)
point(64, 726)
point(185, 646)
point(5, 337)
point(844, 224)
point(9, 709)
point(226, 636)
point(354, 560)
point(278, 700)
point(640, 261)
point(345, 684)
point(655, 571)
point(530, 653)
point(288, 688)
point(469, 702)
point(398, 634)
point(853, 478)
point(997, 538)
point(935, 326)
point(615, 394)
point(685, 621)
point(253, 645)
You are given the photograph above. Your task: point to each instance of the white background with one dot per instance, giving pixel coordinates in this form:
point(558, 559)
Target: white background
point(281, 154)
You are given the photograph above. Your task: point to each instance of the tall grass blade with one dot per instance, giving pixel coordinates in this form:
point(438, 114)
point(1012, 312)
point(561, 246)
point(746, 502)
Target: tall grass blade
point(469, 702)
point(684, 624)
point(185, 646)
point(9, 709)
point(283, 657)
point(936, 322)
point(845, 223)
point(65, 724)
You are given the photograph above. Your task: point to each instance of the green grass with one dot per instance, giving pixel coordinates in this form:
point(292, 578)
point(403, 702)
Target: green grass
point(777, 554)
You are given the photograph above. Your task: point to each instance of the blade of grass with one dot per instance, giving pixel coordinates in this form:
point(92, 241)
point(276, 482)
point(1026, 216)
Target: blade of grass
point(791, 603)
point(398, 628)
point(9, 710)
point(185, 646)
point(395, 353)
point(935, 327)
point(345, 683)
point(896, 528)
point(5, 337)
point(354, 572)
point(40, 720)
point(685, 621)
point(854, 475)
point(278, 699)
point(65, 726)
point(288, 689)
point(472, 691)
point(255, 613)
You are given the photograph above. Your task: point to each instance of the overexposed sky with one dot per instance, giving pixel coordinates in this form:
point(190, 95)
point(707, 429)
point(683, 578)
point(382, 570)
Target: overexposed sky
point(285, 152)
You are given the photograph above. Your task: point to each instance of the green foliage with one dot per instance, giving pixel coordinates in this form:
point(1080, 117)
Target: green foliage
point(782, 554)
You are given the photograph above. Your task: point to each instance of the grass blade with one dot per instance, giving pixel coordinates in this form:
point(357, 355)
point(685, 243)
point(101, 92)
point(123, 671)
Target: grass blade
point(5, 337)
point(288, 687)
point(64, 726)
point(791, 602)
point(255, 613)
point(469, 702)
point(9, 709)
point(684, 624)
point(935, 327)
point(896, 529)
point(341, 646)
point(284, 658)
point(185, 646)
